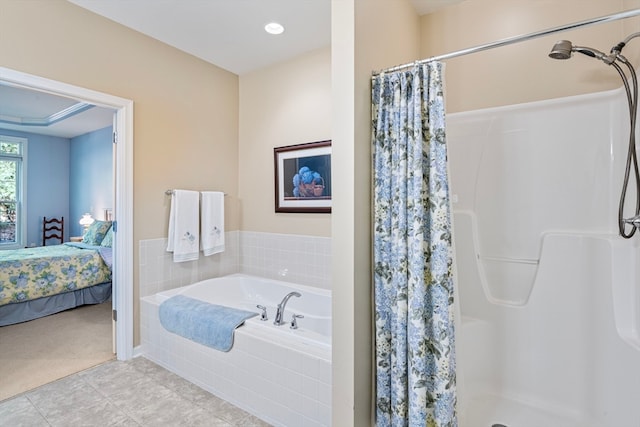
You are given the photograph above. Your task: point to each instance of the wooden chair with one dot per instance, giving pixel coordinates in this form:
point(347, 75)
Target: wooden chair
point(52, 229)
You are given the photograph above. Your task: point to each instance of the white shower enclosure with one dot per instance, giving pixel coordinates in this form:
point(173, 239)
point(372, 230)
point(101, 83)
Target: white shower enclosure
point(549, 294)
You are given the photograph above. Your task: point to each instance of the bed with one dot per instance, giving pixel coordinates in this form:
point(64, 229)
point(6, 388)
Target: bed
point(39, 281)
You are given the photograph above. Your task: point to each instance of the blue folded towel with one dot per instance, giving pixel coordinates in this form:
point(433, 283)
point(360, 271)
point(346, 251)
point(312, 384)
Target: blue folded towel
point(208, 324)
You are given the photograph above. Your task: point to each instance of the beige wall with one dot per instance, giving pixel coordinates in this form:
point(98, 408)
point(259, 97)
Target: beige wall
point(185, 110)
point(523, 72)
point(366, 35)
point(286, 104)
point(630, 26)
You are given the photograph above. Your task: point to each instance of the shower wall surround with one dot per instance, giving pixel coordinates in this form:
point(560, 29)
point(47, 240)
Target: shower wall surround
point(549, 293)
point(522, 171)
point(304, 260)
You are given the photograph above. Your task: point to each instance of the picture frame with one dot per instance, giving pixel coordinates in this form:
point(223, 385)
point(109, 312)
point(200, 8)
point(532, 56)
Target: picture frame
point(303, 177)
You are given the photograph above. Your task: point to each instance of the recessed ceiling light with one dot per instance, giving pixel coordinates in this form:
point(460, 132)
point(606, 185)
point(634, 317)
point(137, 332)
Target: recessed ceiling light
point(274, 28)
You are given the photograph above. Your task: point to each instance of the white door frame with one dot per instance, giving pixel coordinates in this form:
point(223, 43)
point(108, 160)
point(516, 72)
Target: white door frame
point(123, 210)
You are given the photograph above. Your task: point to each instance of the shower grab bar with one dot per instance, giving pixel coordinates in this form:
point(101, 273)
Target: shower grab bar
point(511, 260)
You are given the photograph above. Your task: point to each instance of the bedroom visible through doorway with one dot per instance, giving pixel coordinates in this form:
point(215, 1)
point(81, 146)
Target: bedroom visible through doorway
point(122, 276)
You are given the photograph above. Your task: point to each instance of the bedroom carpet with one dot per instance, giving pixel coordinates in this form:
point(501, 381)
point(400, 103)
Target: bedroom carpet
point(46, 349)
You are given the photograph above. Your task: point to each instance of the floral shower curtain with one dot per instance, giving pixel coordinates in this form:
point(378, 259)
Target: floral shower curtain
point(413, 284)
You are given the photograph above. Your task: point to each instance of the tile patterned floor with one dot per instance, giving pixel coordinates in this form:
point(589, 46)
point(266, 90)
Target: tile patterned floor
point(133, 393)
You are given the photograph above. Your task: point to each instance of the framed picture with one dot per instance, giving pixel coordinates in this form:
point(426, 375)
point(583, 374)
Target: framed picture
point(303, 177)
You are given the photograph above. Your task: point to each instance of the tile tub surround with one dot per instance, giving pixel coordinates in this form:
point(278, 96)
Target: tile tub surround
point(305, 260)
point(158, 272)
point(282, 386)
point(134, 393)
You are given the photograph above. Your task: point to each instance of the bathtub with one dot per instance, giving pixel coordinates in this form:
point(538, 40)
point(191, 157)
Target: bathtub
point(279, 374)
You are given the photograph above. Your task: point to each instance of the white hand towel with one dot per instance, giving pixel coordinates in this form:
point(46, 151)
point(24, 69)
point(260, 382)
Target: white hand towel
point(184, 232)
point(212, 222)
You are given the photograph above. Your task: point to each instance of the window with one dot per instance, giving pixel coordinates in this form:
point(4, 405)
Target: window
point(12, 191)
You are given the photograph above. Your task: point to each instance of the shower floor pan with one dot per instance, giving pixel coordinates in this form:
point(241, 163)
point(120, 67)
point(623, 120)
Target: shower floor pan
point(488, 410)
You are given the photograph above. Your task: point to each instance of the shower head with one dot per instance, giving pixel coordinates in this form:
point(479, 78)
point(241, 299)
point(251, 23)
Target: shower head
point(561, 50)
point(564, 48)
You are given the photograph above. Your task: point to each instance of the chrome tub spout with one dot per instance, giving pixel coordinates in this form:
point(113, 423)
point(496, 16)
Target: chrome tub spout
point(280, 312)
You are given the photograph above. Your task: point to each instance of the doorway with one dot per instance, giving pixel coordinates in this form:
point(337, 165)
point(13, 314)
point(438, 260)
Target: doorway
point(122, 275)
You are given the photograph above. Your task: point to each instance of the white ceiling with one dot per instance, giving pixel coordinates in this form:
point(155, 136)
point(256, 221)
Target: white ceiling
point(226, 33)
point(230, 33)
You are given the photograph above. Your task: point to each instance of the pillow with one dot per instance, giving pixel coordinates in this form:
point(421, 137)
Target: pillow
point(96, 232)
point(108, 239)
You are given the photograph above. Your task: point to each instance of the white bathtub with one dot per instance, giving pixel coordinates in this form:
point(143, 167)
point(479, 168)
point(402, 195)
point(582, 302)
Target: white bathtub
point(278, 374)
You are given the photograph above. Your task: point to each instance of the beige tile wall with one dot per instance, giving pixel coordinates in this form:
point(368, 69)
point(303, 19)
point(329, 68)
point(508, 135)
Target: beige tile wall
point(293, 258)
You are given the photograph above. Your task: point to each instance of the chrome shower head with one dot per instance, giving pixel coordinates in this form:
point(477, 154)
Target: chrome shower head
point(561, 50)
point(564, 48)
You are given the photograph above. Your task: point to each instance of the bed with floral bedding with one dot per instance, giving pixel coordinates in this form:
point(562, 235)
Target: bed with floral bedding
point(36, 282)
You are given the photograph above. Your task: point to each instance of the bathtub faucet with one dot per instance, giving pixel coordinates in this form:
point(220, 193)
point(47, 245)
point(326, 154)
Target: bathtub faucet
point(280, 312)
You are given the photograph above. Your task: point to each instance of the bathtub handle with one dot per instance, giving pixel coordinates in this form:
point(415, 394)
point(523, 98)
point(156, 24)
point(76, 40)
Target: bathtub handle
point(294, 321)
point(263, 315)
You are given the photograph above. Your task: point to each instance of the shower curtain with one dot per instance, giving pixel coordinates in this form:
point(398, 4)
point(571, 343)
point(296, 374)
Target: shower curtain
point(413, 284)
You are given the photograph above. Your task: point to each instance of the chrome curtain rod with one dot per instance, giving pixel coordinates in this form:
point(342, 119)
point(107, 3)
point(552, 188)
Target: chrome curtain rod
point(517, 39)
